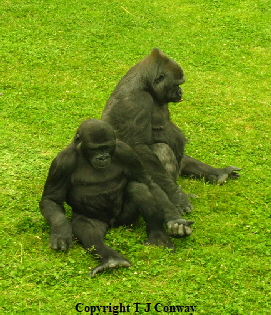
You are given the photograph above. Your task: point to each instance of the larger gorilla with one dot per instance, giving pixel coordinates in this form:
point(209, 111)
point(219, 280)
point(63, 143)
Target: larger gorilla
point(138, 111)
point(106, 185)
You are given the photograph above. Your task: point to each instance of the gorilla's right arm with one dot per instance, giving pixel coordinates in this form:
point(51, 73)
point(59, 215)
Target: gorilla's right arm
point(53, 197)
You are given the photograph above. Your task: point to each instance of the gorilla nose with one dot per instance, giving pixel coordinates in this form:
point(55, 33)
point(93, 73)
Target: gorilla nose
point(103, 158)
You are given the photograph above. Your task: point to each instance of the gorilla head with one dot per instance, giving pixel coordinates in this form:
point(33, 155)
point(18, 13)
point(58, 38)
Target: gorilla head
point(97, 142)
point(164, 77)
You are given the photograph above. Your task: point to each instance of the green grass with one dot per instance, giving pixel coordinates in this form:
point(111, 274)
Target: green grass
point(59, 62)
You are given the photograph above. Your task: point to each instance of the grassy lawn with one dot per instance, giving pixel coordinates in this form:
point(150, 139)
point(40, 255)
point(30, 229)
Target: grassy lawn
point(60, 60)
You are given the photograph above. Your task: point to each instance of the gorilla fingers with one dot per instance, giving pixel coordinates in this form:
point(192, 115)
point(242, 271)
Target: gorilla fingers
point(184, 204)
point(61, 236)
point(179, 228)
point(110, 263)
point(159, 238)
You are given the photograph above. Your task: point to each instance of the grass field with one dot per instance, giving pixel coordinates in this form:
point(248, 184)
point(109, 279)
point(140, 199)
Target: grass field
point(60, 60)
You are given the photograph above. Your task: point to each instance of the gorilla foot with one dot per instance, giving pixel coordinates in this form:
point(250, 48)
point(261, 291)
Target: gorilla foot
point(187, 208)
point(193, 196)
point(227, 172)
point(179, 228)
point(184, 205)
point(112, 262)
point(159, 238)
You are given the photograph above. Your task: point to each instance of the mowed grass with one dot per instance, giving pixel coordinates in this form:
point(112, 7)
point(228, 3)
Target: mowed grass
point(60, 60)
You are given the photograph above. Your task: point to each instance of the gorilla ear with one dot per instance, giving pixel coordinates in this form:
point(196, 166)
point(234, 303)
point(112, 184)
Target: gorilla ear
point(77, 137)
point(159, 78)
point(77, 141)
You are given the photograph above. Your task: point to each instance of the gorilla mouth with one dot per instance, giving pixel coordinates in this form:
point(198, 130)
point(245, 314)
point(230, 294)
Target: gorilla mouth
point(100, 164)
point(178, 99)
point(178, 94)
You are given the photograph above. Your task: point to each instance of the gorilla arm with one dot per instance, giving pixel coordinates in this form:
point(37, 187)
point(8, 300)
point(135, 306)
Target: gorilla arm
point(53, 197)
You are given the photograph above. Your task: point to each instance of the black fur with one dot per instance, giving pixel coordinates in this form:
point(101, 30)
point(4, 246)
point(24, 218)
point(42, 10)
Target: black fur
point(104, 182)
point(138, 111)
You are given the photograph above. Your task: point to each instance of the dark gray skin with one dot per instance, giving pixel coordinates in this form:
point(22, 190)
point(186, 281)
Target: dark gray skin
point(106, 185)
point(138, 111)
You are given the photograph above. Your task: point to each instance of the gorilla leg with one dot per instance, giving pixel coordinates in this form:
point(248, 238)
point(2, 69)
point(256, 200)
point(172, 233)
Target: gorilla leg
point(138, 199)
point(198, 169)
point(167, 158)
point(161, 176)
point(91, 233)
point(189, 166)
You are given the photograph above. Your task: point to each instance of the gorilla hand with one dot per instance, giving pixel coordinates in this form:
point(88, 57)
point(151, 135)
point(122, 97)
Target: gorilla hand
point(179, 228)
point(225, 173)
point(61, 235)
point(111, 262)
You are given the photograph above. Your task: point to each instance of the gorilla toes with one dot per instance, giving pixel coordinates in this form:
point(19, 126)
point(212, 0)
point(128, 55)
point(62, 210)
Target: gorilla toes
point(159, 238)
point(188, 208)
point(227, 172)
point(110, 263)
point(185, 208)
point(179, 228)
point(232, 171)
point(193, 196)
point(184, 205)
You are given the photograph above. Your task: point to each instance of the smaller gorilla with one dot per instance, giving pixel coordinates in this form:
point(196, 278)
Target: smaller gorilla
point(105, 184)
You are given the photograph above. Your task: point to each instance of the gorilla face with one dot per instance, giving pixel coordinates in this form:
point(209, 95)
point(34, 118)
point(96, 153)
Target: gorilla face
point(100, 156)
point(168, 78)
point(167, 88)
point(173, 91)
point(97, 142)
